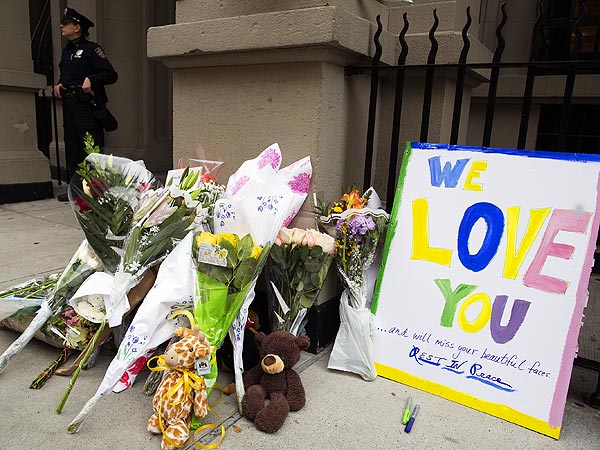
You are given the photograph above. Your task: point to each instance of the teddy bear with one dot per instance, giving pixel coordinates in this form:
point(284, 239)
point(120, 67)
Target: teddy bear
point(274, 379)
point(172, 409)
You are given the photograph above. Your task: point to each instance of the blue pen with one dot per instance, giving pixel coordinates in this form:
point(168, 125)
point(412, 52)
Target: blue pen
point(410, 423)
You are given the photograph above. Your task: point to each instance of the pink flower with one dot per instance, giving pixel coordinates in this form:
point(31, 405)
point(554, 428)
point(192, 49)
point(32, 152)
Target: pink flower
point(271, 157)
point(309, 239)
point(278, 241)
point(300, 184)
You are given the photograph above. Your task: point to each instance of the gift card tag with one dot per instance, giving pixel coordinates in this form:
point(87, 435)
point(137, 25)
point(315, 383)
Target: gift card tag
point(203, 365)
point(212, 254)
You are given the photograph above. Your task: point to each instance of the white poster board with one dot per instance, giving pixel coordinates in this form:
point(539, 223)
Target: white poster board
point(484, 277)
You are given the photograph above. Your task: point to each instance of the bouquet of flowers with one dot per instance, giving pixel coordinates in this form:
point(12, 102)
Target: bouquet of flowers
point(82, 265)
point(227, 268)
point(104, 198)
point(296, 269)
point(172, 292)
point(164, 218)
point(29, 294)
point(259, 199)
point(358, 224)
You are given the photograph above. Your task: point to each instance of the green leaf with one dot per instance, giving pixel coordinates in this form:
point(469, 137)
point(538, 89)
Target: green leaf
point(245, 246)
point(312, 266)
point(232, 259)
point(307, 301)
point(315, 280)
point(244, 273)
point(300, 286)
point(316, 251)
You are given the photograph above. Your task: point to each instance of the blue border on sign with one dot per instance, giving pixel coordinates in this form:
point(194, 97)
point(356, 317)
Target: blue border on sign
point(579, 157)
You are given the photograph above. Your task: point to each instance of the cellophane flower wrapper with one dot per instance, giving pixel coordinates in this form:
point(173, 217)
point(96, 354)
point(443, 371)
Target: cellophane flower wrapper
point(65, 329)
point(358, 232)
point(83, 263)
point(295, 272)
point(259, 199)
point(28, 294)
point(227, 268)
point(209, 170)
point(163, 217)
point(172, 291)
point(104, 196)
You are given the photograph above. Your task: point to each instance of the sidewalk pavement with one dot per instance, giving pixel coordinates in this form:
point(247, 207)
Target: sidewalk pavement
point(342, 410)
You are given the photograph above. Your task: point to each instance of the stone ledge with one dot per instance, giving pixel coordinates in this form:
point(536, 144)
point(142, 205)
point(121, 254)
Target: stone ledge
point(322, 27)
point(21, 80)
point(197, 10)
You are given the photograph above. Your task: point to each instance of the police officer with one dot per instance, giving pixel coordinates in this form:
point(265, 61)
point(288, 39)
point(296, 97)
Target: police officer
point(84, 71)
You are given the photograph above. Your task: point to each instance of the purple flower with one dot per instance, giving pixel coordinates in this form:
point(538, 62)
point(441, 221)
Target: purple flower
point(360, 225)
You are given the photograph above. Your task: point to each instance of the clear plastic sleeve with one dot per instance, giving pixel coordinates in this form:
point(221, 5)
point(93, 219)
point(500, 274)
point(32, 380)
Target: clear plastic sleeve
point(104, 195)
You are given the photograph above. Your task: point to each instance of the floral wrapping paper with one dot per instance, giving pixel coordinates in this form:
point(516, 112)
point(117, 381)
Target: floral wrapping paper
point(259, 199)
point(172, 291)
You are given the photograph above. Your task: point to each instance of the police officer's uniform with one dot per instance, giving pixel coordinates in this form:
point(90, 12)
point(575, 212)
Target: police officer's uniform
point(80, 59)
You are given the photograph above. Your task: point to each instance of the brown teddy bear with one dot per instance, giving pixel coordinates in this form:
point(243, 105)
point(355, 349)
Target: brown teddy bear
point(173, 409)
point(274, 378)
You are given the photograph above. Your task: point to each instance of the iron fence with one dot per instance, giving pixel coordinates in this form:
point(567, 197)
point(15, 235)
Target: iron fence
point(538, 65)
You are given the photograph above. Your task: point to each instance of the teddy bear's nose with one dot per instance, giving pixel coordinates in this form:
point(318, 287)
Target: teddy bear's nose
point(269, 360)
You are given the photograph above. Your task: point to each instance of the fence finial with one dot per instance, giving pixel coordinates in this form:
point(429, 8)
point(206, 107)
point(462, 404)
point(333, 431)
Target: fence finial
point(402, 39)
point(378, 48)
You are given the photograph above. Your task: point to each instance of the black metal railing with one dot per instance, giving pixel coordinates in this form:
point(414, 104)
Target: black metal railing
point(537, 66)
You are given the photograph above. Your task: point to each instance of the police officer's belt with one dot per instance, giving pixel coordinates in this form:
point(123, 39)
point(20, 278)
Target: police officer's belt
point(75, 93)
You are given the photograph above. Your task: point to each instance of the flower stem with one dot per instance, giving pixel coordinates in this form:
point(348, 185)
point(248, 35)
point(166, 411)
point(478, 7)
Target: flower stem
point(89, 350)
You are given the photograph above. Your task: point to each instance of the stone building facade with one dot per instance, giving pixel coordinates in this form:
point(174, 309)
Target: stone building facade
point(223, 79)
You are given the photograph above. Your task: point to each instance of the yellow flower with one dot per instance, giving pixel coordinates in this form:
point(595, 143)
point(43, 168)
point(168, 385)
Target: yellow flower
point(229, 237)
point(205, 237)
point(256, 251)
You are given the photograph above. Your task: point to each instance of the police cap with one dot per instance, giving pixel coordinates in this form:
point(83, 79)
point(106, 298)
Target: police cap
point(72, 16)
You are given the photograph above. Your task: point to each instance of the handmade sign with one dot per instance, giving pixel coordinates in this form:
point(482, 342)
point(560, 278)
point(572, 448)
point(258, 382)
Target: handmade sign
point(485, 275)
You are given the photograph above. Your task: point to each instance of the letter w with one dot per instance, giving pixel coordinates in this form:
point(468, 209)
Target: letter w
point(450, 175)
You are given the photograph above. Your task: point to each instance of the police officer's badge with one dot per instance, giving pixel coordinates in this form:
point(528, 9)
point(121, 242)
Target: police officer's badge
point(100, 52)
point(78, 53)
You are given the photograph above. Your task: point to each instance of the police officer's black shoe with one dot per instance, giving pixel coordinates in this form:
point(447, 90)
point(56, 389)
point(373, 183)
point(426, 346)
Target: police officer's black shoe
point(63, 198)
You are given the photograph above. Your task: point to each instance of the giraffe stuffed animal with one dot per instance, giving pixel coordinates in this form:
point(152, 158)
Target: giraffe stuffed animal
point(180, 390)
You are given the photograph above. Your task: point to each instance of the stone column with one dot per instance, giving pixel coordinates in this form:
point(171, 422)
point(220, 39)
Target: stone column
point(24, 170)
point(248, 74)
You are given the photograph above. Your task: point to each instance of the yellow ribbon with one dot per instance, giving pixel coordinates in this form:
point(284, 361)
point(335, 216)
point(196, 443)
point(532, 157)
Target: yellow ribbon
point(210, 426)
point(189, 381)
point(187, 313)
